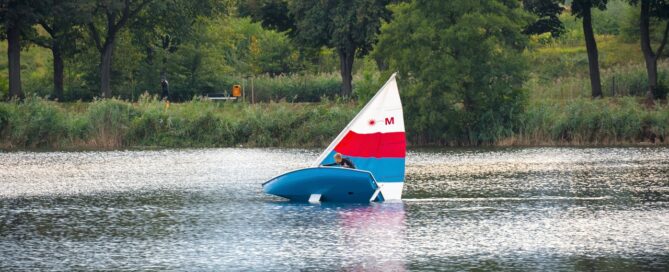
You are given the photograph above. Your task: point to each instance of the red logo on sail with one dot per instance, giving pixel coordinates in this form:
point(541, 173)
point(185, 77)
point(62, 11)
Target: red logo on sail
point(390, 121)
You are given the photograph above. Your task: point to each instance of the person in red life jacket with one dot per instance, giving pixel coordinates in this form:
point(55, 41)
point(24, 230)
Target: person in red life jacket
point(343, 162)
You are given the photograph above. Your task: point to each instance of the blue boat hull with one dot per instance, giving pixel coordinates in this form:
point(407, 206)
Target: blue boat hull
point(334, 184)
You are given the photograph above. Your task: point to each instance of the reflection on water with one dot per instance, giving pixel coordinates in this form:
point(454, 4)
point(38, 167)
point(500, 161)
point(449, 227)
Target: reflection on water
point(501, 209)
point(377, 233)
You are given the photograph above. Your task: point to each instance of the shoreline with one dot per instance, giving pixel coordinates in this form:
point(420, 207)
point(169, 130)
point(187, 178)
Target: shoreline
point(409, 147)
point(40, 125)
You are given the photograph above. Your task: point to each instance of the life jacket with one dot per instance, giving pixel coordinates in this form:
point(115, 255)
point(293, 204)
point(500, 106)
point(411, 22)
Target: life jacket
point(345, 162)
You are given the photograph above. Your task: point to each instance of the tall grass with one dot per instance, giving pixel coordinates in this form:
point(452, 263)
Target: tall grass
point(36, 123)
point(622, 80)
point(108, 124)
point(611, 121)
point(290, 88)
point(631, 80)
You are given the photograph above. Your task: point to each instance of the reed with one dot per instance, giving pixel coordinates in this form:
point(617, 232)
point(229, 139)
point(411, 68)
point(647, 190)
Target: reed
point(36, 123)
point(614, 121)
point(294, 87)
point(33, 123)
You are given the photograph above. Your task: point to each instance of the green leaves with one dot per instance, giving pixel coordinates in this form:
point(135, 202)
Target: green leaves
point(462, 71)
point(349, 27)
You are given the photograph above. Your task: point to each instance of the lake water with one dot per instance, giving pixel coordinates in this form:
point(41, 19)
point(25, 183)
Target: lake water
point(583, 209)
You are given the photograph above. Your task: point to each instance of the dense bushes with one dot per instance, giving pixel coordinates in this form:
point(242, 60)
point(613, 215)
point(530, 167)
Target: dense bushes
point(296, 87)
point(108, 124)
point(33, 123)
point(462, 68)
point(591, 122)
point(38, 123)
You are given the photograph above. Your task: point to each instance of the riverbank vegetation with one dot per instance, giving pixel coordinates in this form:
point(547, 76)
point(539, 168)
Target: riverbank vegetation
point(37, 123)
point(490, 73)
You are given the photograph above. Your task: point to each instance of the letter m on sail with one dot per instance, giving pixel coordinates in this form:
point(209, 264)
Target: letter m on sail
point(390, 121)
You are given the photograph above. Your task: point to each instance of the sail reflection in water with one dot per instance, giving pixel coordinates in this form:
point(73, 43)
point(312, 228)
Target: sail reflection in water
point(377, 234)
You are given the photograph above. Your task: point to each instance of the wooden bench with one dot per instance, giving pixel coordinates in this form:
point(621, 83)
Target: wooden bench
point(220, 97)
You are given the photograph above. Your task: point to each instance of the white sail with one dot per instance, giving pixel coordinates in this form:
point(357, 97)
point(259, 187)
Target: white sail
point(375, 141)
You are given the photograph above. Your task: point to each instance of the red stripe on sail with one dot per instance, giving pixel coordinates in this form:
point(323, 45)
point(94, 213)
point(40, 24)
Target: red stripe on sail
point(374, 145)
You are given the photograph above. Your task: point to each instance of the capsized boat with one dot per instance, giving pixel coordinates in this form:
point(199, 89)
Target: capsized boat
point(374, 141)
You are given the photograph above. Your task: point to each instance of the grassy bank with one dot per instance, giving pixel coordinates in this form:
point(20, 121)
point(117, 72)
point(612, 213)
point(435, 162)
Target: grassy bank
point(621, 80)
point(611, 121)
point(111, 124)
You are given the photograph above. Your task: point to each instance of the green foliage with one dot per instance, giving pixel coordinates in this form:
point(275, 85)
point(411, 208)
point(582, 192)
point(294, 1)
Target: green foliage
point(103, 124)
point(463, 72)
point(221, 53)
point(33, 123)
point(349, 27)
point(461, 67)
point(556, 60)
point(150, 123)
point(367, 81)
point(108, 121)
point(612, 20)
point(558, 64)
point(4, 82)
point(548, 12)
point(618, 80)
point(631, 80)
point(113, 123)
point(585, 121)
point(273, 14)
point(661, 90)
point(20, 14)
point(295, 88)
point(339, 24)
point(617, 18)
point(581, 8)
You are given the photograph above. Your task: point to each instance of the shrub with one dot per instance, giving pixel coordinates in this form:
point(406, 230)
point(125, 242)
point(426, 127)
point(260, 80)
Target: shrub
point(109, 121)
point(585, 121)
point(295, 87)
point(34, 123)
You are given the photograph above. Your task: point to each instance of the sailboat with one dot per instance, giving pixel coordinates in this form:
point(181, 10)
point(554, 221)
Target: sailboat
point(376, 144)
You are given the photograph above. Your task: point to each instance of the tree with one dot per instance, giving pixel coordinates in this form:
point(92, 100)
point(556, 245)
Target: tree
point(113, 15)
point(652, 9)
point(350, 27)
point(548, 12)
point(583, 9)
point(59, 19)
point(162, 29)
point(16, 18)
point(461, 67)
point(273, 14)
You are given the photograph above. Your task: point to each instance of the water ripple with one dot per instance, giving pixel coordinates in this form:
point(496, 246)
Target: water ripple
point(554, 209)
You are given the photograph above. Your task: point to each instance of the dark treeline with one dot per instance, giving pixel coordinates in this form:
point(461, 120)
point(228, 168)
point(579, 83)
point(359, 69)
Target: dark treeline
point(463, 65)
point(145, 41)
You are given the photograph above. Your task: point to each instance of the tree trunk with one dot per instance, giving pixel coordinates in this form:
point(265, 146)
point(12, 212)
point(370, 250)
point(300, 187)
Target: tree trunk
point(14, 56)
point(593, 56)
point(58, 71)
point(105, 69)
point(648, 55)
point(346, 57)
